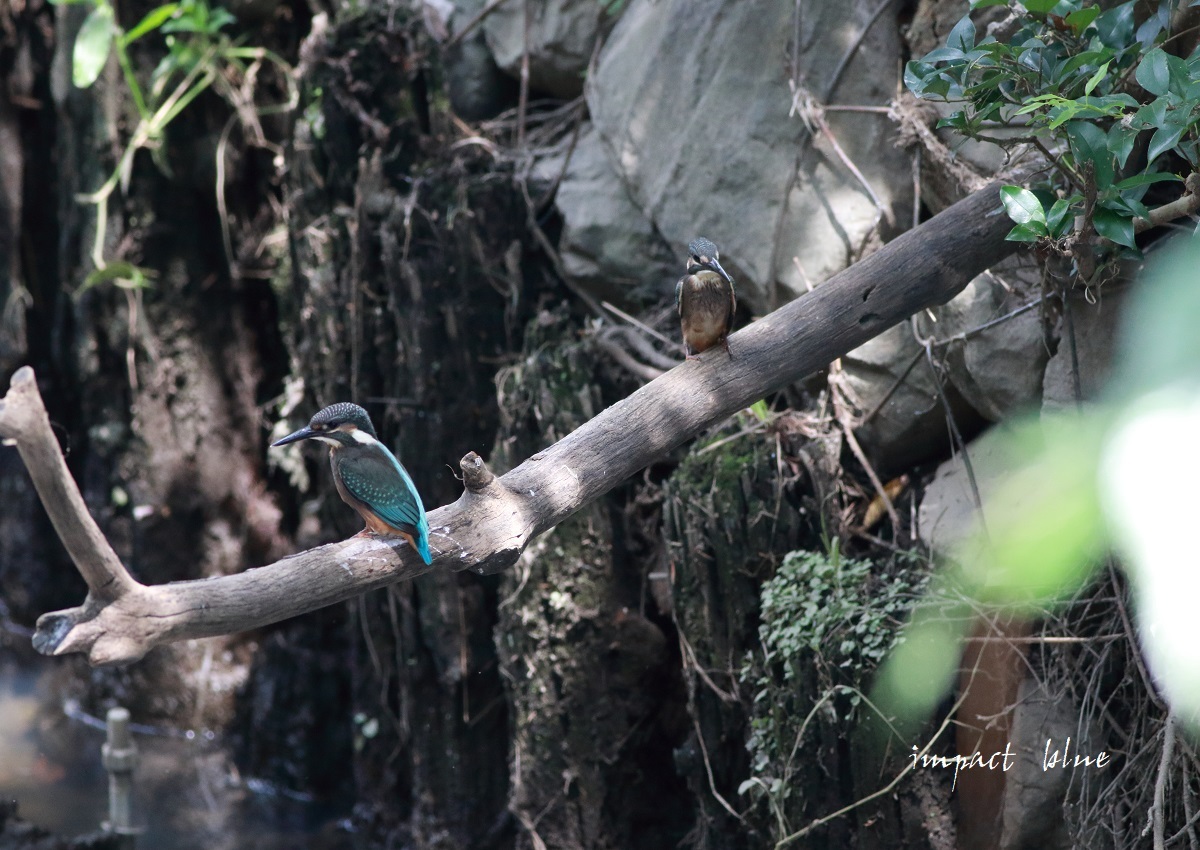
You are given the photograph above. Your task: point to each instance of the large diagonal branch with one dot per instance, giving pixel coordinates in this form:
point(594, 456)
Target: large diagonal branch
point(493, 521)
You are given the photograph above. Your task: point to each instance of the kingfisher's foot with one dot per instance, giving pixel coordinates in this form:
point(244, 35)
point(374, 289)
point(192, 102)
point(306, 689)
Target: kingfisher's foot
point(725, 343)
point(366, 532)
point(691, 357)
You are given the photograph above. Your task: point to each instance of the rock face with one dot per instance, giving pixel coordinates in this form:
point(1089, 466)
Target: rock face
point(997, 370)
point(562, 37)
point(705, 144)
point(1033, 795)
point(1095, 344)
point(607, 245)
point(948, 512)
point(909, 422)
point(478, 89)
point(994, 371)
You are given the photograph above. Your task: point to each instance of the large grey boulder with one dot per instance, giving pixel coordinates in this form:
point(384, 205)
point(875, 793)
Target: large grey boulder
point(997, 367)
point(1096, 325)
point(1034, 795)
point(477, 87)
point(692, 97)
point(904, 420)
point(562, 37)
point(949, 513)
point(608, 247)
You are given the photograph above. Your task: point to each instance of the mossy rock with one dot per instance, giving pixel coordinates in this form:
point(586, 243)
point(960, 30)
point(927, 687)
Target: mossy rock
point(587, 673)
point(731, 512)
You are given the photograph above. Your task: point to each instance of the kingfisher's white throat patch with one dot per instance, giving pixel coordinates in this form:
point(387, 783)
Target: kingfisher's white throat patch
point(359, 435)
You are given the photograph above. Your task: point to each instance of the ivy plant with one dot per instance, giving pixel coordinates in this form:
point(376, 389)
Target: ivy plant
point(1103, 95)
point(827, 623)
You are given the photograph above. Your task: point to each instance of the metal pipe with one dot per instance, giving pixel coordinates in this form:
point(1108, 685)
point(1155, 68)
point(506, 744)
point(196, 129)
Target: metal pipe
point(119, 755)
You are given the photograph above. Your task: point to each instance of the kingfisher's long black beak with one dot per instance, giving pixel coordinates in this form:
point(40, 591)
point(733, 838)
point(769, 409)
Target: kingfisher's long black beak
point(303, 434)
point(715, 266)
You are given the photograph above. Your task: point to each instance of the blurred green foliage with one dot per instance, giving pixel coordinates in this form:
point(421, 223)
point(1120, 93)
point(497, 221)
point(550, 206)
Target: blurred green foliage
point(1118, 476)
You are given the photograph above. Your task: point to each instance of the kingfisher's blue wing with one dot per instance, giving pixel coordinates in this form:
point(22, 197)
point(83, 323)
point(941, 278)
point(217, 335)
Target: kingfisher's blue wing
point(679, 295)
point(377, 479)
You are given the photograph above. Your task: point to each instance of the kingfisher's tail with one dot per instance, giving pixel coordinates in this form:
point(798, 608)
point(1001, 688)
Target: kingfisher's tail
point(422, 545)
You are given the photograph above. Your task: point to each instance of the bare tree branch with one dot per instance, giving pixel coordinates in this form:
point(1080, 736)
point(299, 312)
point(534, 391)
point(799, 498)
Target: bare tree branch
point(23, 420)
point(495, 518)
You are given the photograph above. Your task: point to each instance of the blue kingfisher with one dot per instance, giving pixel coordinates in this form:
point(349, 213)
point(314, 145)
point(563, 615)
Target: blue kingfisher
point(705, 300)
point(367, 476)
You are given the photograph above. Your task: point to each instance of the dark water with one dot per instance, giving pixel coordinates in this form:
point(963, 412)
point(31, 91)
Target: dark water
point(187, 793)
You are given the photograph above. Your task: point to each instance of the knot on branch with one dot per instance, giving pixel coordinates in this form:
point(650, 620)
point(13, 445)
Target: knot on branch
point(476, 475)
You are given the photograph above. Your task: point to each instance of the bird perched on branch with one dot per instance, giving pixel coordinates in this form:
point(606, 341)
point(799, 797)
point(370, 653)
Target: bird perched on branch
point(368, 476)
point(705, 300)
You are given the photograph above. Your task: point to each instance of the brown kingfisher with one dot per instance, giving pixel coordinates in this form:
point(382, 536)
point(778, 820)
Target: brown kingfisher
point(367, 475)
point(705, 300)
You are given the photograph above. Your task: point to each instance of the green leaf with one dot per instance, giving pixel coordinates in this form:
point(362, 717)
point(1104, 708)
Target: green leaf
point(221, 17)
point(938, 85)
point(944, 54)
point(962, 37)
point(760, 410)
point(1095, 79)
point(1115, 103)
point(1153, 73)
point(1080, 19)
point(1189, 150)
point(92, 46)
point(1087, 57)
point(1164, 138)
point(1129, 202)
point(119, 273)
point(983, 4)
point(1063, 113)
point(1114, 28)
point(1114, 227)
point(1041, 101)
point(1090, 144)
point(1120, 142)
point(915, 75)
point(1180, 79)
point(154, 18)
point(1040, 7)
point(1058, 218)
point(1022, 206)
point(1153, 26)
point(956, 120)
point(1027, 233)
point(1147, 179)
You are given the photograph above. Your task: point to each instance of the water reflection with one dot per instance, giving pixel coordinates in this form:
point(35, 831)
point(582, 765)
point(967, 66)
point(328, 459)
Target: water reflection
point(187, 793)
